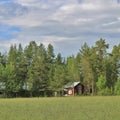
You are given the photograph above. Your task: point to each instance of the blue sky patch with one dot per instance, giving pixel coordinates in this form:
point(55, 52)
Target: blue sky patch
point(8, 32)
point(5, 0)
point(5, 35)
point(13, 28)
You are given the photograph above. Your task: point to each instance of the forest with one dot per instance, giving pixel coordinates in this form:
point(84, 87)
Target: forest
point(36, 71)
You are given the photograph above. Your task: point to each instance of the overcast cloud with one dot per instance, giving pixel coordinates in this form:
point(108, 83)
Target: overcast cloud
point(66, 24)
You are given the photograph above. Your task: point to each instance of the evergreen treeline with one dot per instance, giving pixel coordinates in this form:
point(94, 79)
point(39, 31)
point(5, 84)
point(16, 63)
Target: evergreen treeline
point(36, 71)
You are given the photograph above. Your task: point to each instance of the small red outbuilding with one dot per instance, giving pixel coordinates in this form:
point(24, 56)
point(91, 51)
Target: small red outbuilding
point(74, 88)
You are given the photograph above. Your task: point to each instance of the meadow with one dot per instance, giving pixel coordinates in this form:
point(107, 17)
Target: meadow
point(61, 108)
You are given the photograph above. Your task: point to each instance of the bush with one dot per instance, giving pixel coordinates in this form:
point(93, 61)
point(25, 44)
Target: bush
point(117, 87)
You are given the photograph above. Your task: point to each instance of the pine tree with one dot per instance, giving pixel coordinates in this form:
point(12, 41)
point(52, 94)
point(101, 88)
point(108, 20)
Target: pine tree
point(59, 79)
point(50, 65)
point(37, 74)
point(21, 71)
point(13, 83)
point(87, 68)
point(101, 52)
point(73, 69)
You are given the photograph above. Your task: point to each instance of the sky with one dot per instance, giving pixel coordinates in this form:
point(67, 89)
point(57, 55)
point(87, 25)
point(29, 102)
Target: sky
point(66, 24)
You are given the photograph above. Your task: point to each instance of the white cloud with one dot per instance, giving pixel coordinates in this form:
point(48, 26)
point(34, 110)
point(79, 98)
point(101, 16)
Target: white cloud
point(5, 45)
point(112, 23)
point(61, 21)
point(27, 2)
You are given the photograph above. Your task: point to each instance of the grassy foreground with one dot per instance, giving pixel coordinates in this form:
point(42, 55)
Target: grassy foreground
point(66, 108)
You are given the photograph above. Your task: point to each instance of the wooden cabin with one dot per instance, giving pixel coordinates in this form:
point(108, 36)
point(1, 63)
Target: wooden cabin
point(73, 88)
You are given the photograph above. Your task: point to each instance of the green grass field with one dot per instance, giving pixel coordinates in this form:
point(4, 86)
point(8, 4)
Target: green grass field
point(64, 108)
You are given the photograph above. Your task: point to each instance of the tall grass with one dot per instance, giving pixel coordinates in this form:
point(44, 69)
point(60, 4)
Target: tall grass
point(66, 108)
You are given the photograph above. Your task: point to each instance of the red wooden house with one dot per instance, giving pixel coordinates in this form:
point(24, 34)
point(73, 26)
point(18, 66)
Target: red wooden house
point(74, 88)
